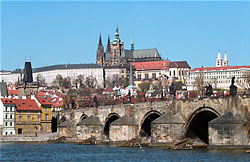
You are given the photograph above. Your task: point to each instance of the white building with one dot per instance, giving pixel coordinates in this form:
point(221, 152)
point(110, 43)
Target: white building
point(156, 69)
point(49, 73)
point(8, 116)
point(219, 76)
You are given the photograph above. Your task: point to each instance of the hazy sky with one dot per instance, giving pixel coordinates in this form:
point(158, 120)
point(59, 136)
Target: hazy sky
point(68, 32)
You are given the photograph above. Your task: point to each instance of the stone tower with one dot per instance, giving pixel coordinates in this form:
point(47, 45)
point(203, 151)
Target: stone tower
point(27, 87)
point(116, 49)
point(219, 60)
point(100, 57)
point(225, 60)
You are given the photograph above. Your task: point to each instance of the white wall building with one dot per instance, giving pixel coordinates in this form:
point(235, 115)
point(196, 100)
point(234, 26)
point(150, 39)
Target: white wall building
point(156, 69)
point(219, 76)
point(49, 73)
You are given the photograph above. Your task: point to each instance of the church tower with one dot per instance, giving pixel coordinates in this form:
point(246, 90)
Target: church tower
point(116, 49)
point(100, 57)
point(219, 60)
point(225, 61)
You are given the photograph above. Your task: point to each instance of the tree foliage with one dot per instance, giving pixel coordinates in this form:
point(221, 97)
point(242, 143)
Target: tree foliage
point(91, 82)
point(144, 86)
point(58, 81)
point(199, 83)
point(41, 80)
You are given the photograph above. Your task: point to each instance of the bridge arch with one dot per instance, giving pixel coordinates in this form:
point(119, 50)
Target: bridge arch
point(63, 119)
point(111, 118)
point(197, 124)
point(145, 126)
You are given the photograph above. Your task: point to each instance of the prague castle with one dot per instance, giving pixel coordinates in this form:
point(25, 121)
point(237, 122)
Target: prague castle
point(116, 54)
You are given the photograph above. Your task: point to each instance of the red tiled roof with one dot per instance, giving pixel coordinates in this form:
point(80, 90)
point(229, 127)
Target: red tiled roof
point(39, 93)
point(44, 101)
point(152, 65)
point(13, 92)
point(26, 104)
point(219, 68)
point(179, 64)
point(7, 101)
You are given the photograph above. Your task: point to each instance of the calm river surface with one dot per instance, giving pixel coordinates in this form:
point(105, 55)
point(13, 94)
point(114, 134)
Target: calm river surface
point(49, 152)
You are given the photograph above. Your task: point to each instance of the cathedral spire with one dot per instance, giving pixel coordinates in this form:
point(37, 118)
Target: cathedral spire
point(225, 61)
point(219, 60)
point(108, 46)
point(100, 40)
point(116, 33)
point(132, 43)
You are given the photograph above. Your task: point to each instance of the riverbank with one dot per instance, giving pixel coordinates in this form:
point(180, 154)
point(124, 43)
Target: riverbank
point(43, 137)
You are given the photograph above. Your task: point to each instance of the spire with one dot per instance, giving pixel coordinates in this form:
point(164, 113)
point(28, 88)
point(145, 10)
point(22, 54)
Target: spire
point(225, 61)
point(219, 56)
point(116, 33)
point(132, 43)
point(108, 46)
point(100, 40)
point(225, 56)
point(219, 60)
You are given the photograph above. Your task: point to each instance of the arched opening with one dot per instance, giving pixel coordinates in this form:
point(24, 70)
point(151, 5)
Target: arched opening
point(146, 124)
point(53, 124)
point(111, 118)
point(198, 124)
point(63, 119)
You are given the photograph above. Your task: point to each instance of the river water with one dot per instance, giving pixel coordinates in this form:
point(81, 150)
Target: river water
point(51, 152)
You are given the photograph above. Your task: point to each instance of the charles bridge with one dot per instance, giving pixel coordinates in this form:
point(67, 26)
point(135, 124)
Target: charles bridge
point(215, 121)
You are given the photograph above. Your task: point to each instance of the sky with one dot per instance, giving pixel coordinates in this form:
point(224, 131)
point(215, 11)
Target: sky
point(61, 32)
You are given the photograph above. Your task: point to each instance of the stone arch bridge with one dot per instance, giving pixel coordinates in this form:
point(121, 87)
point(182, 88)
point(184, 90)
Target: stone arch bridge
point(162, 121)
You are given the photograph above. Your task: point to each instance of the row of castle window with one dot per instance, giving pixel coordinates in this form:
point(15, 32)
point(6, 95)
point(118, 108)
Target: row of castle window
point(6, 116)
point(6, 133)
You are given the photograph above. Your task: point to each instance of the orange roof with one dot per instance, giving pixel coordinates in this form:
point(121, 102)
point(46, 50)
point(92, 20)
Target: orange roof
point(151, 65)
point(44, 101)
point(13, 92)
point(7, 101)
point(219, 68)
point(39, 93)
point(26, 104)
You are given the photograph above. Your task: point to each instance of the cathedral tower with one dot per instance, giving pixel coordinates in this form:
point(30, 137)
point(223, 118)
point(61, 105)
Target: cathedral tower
point(100, 57)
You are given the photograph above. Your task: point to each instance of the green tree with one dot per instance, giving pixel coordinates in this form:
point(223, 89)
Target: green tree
point(67, 82)
point(144, 86)
point(58, 81)
point(125, 82)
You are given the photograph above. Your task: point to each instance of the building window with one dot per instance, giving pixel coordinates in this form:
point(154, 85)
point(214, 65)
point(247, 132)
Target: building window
point(169, 73)
point(20, 119)
point(139, 76)
point(10, 123)
point(6, 123)
point(47, 126)
point(28, 112)
point(10, 116)
point(46, 116)
point(46, 109)
point(154, 76)
point(6, 116)
point(28, 119)
point(6, 133)
point(174, 73)
point(38, 118)
point(146, 76)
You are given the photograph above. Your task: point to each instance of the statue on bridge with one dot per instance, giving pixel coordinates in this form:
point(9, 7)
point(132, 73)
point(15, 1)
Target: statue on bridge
point(233, 88)
point(209, 90)
point(172, 88)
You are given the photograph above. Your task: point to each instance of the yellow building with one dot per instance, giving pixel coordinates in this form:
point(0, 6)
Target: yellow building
point(28, 116)
point(46, 114)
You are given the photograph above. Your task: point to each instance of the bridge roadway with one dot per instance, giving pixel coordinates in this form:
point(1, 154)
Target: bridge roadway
point(195, 113)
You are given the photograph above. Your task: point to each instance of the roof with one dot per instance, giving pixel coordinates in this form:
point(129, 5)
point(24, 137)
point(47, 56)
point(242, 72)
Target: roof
point(66, 66)
point(7, 101)
point(39, 93)
point(44, 101)
point(221, 68)
point(228, 118)
point(169, 118)
point(26, 104)
point(142, 53)
point(151, 65)
point(179, 64)
point(91, 120)
point(122, 66)
point(125, 120)
point(13, 92)
point(3, 89)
